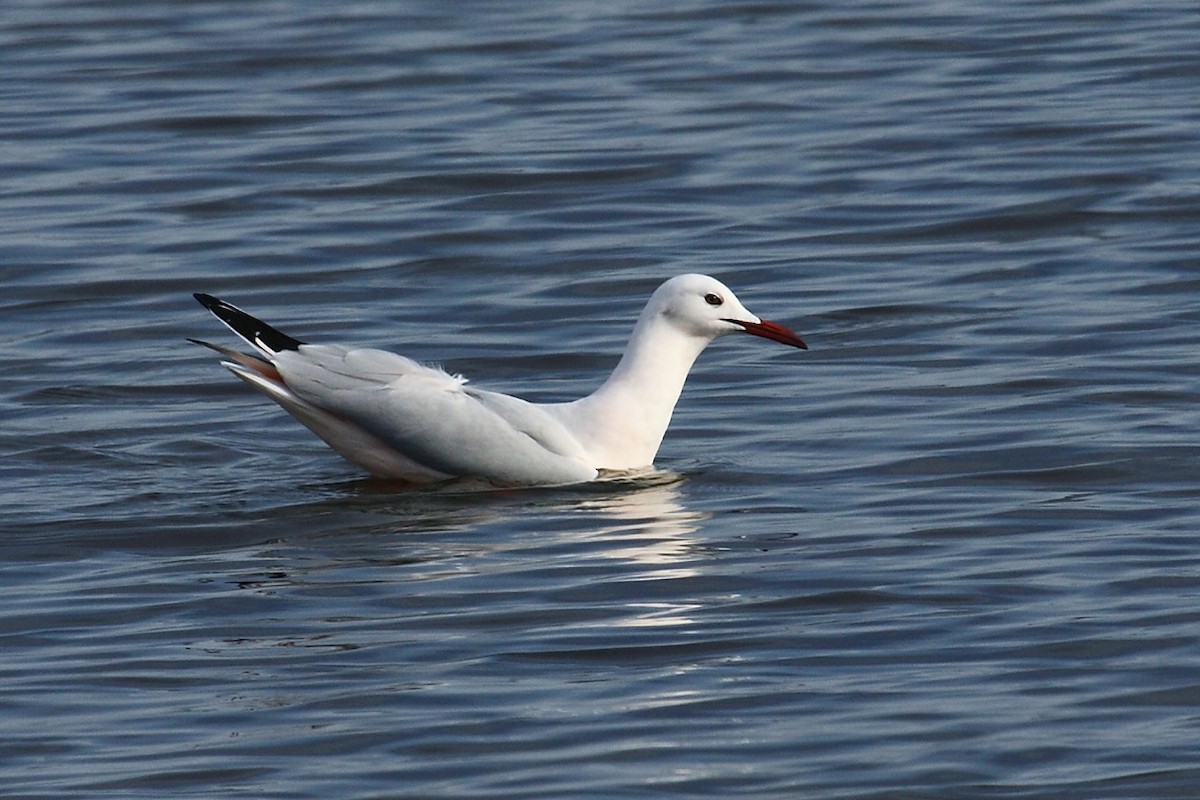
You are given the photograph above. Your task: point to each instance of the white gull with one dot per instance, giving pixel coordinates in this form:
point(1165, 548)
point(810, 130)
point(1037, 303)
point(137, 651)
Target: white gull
point(399, 419)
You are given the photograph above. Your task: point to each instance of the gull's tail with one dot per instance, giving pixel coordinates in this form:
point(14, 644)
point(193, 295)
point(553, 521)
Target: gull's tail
point(255, 332)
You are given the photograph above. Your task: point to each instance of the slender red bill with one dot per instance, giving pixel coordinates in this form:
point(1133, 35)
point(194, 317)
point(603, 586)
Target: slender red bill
point(771, 330)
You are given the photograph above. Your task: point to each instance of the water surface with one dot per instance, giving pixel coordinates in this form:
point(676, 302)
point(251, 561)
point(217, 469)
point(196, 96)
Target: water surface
point(948, 552)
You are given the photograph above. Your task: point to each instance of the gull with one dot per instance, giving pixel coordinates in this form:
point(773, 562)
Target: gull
point(399, 419)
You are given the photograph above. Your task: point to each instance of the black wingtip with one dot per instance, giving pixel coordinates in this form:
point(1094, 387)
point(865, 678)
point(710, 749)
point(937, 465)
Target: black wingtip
point(254, 331)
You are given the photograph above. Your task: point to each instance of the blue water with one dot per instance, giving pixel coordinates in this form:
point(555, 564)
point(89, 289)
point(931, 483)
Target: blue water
point(950, 551)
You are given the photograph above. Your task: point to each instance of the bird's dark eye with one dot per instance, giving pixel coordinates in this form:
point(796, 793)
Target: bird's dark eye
point(713, 299)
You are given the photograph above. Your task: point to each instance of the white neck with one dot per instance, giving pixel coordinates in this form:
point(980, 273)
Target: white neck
point(622, 423)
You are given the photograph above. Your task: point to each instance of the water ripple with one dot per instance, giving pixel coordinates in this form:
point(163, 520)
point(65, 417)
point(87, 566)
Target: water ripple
point(946, 552)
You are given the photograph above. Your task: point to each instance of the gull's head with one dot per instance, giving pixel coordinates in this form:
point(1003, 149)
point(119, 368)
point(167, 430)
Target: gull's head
point(706, 308)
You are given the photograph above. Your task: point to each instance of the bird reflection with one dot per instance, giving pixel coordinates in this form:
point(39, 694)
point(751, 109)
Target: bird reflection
point(651, 525)
point(579, 546)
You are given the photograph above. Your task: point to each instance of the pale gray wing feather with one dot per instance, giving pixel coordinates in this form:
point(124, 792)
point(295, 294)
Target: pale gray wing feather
point(433, 419)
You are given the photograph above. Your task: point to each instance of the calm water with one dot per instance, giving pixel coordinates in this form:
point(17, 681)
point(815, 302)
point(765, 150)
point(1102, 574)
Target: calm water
point(950, 552)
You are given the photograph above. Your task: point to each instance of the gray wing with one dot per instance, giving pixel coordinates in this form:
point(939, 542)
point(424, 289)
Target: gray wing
point(433, 419)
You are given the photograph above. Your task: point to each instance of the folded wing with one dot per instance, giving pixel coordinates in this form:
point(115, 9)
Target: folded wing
point(431, 418)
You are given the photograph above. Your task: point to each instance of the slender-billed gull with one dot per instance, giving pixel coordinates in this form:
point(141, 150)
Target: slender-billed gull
point(399, 419)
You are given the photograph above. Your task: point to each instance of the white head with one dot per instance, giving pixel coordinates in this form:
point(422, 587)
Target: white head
point(622, 423)
point(705, 308)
